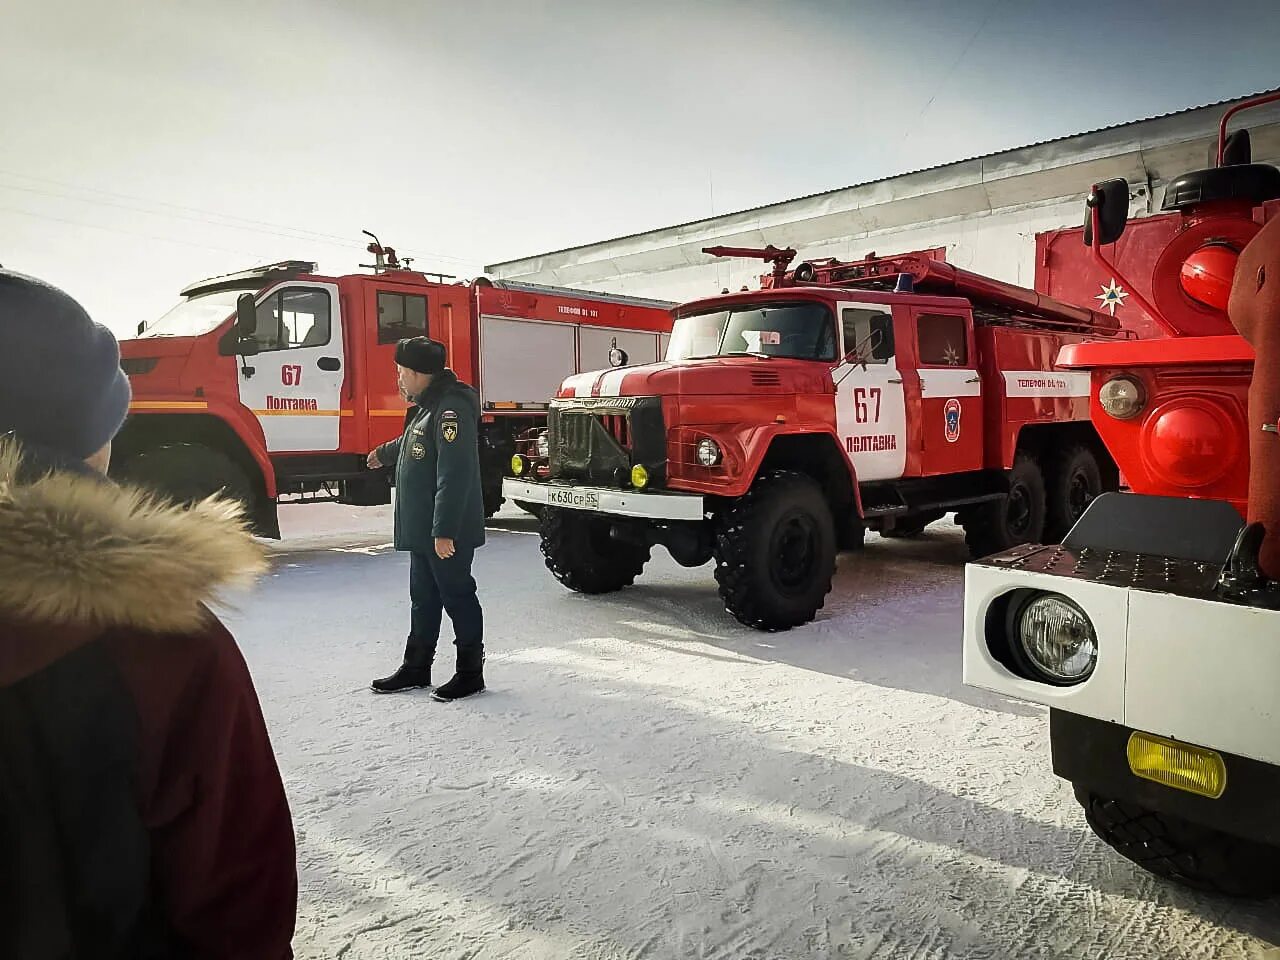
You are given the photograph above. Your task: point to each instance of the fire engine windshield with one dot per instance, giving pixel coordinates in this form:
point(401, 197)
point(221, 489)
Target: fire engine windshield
point(801, 331)
point(195, 316)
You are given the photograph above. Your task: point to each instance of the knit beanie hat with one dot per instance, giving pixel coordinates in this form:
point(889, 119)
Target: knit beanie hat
point(421, 354)
point(61, 386)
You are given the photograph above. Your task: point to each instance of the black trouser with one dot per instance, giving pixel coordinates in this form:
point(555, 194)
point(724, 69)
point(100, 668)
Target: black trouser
point(435, 586)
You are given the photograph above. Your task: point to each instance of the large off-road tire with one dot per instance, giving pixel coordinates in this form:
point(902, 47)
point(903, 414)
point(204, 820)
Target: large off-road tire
point(1075, 479)
point(1187, 853)
point(491, 491)
point(187, 473)
point(1019, 517)
point(581, 554)
point(371, 490)
point(492, 502)
point(775, 552)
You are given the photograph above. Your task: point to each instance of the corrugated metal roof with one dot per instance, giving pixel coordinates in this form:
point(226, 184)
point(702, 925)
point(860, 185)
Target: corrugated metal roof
point(895, 176)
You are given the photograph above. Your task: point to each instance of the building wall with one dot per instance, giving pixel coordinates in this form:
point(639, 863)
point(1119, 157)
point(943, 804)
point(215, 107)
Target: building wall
point(999, 244)
point(985, 211)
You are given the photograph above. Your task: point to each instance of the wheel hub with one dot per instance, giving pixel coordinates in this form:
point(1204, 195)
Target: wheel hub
point(1019, 509)
point(1079, 494)
point(794, 548)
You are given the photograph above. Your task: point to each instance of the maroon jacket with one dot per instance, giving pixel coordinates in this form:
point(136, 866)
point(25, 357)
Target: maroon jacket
point(142, 814)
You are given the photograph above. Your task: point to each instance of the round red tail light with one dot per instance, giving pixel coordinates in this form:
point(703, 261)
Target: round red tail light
point(1190, 443)
point(1206, 274)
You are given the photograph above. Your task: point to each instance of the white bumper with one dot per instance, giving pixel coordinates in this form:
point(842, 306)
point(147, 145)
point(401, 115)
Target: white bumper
point(651, 505)
point(1200, 671)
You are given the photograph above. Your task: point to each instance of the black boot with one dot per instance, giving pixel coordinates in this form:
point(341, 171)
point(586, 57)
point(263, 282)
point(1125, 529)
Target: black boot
point(464, 684)
point(406, 678)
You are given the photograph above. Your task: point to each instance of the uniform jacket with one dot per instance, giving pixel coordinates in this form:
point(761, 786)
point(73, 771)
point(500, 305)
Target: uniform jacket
point(437, 462)
point(142, 814)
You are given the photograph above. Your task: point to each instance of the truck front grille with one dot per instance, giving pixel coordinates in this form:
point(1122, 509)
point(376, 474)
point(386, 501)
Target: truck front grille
point(619, 427)
point(601, 440)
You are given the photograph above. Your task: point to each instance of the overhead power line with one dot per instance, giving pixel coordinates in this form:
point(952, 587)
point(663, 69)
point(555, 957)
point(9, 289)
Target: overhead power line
point(131, 233)
point(200, 215)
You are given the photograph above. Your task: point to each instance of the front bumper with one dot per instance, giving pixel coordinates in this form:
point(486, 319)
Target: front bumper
point(645, 505)
point(1179, 665)
point(1092, 755)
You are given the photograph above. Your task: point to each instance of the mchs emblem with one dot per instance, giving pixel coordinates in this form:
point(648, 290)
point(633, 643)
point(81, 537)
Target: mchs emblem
point(951, 420)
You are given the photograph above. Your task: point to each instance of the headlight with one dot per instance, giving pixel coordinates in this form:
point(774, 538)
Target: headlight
point(517, 465)
point(639, 477)
point(708, 452)
point(1122, 397)
point(544, 445)
point(1056, 639)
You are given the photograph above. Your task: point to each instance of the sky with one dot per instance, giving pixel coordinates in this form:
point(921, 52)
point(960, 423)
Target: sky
point(145, 145)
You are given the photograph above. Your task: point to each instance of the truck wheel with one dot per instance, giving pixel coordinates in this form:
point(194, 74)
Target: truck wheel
point(775, 552)
point(1076, 479)
point(187, 473)
point(493, 498)
point(581, 554)
point(371, 490)
point(1014, 519)
point(1187, 853)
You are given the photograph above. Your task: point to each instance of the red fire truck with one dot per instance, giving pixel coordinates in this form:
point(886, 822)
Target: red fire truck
point(1153, 631)
point(877, 394)
point(278, 380)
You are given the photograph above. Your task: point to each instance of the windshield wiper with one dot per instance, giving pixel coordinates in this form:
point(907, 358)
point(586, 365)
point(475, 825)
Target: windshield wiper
point(732, 353)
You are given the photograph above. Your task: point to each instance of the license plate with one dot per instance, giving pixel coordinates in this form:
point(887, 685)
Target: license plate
point(583, 499)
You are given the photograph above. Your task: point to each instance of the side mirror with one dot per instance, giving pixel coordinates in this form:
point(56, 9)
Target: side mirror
point(1111, 200)
point(246, 316)
point(239, 340)
point(230, 346)
point(1237, 150)
point(866, 349)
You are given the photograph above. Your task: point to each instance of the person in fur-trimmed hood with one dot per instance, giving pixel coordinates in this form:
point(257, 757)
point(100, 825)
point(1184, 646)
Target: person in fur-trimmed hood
point(142, 813)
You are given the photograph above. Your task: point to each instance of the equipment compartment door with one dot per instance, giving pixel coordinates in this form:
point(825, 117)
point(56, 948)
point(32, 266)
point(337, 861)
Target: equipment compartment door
point(950, 392)
point(294, 384)
point(871, 412)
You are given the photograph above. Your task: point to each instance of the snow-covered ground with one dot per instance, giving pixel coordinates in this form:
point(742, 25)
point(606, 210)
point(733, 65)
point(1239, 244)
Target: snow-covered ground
point(646, 779)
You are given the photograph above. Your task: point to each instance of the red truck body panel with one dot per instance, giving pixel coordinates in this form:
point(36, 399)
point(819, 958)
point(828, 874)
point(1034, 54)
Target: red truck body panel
point(296, 413)
point(957, 416)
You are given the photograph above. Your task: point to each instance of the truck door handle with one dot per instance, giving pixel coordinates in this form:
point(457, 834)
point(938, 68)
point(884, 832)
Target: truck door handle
point(894, 380)
point(329, 363)
point(974, 380)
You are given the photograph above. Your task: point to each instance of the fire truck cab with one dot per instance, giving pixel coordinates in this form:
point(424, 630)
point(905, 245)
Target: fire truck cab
point(786, 421)
point(276, 381)
point(1152, 633)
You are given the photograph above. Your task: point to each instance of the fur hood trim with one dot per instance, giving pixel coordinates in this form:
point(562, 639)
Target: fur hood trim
point(75, 550)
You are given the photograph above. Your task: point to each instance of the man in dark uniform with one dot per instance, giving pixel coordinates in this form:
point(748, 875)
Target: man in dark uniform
point(439, 518)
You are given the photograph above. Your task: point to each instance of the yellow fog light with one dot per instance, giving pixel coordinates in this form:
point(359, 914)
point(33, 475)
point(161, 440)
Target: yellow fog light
point(517, 464)
point(639, 477)
point(1178, 765)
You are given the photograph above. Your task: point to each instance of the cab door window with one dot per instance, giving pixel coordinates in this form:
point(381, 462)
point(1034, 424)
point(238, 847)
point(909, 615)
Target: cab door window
point(401, 316)
point(943, 340)
point(294, 317)
point(868, 332)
